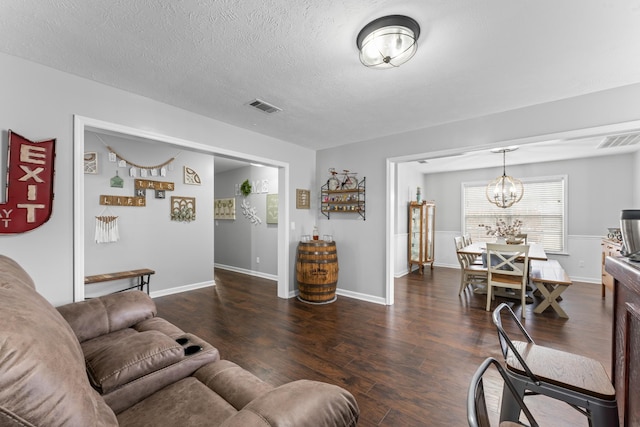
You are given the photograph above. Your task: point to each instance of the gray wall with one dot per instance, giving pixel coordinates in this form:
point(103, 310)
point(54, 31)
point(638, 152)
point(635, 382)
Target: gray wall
point(598, 189)
point(239, 243)
point(181, 253)
point(44, 101)
point(43, 104)
point(362, 264)
point(407, 180)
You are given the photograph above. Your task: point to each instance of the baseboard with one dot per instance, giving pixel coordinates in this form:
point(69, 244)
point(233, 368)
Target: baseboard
point(585, 280)
point(350, 294)
point(247, 272)
point(359, 296)
point(179, 289)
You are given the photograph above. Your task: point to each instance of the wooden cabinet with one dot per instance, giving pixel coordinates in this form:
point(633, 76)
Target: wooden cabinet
point(625, 358)
point(344, 200)
point(609, 248)
point(421, 234)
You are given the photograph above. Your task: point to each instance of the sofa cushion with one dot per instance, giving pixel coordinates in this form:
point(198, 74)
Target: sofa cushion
point(187, 402)
point(133, 356)
point(133, 392)
point(237, 385)
point(99, 316)
point(43, 379)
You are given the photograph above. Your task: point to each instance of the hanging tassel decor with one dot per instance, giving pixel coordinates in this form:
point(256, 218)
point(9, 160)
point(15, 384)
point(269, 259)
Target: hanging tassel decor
point(107, 229)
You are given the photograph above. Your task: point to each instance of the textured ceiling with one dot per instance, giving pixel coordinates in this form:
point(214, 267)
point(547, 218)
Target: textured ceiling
point(212, 57)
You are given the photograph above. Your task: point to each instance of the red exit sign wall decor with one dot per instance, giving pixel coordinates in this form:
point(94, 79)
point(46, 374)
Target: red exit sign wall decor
point(29, 194)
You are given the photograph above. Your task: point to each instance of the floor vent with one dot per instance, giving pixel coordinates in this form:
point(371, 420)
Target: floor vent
point(264, 106)
point(623, 140)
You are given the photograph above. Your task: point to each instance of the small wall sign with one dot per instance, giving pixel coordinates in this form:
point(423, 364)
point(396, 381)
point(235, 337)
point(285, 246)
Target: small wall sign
point(302, 199)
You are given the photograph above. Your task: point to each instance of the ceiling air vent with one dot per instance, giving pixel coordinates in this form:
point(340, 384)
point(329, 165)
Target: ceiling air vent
point(264, 106)
point(623, 140)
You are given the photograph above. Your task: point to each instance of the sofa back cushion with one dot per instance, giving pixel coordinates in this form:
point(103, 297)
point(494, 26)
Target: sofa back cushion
point(43, 381)
point(100, 316)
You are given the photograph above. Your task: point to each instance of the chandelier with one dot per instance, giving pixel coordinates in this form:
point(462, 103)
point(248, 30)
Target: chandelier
point(505, 191)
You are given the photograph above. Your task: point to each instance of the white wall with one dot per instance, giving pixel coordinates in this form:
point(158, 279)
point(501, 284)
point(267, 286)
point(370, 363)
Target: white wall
point(41, 102)
point(181, 253)
point(408, 179)
point(239, 243)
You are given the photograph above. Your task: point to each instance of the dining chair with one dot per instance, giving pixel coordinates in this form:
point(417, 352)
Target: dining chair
point(470, 274)
point(507, 267)
point(473, 259)
point(477, 414)
point(581, 382)
point(466, 239)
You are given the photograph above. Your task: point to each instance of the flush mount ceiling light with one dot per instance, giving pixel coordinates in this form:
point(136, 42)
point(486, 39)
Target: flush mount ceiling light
point(505, 191)
point(388, 42)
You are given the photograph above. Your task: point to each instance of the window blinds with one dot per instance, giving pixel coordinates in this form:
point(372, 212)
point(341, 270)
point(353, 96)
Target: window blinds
point(542, 211)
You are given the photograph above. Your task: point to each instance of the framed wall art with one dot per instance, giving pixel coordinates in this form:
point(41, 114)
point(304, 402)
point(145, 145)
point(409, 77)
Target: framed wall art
point(183, 208)
point(91, 162)
point(224, 208)
point(191, 177)
point(302, 199)
point(272, 208)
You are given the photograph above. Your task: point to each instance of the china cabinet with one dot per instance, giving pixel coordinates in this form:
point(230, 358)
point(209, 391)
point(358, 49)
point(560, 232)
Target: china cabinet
point(421, 234)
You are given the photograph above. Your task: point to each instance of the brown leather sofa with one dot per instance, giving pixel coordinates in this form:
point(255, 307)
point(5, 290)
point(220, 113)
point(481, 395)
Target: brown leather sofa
point(110, 361)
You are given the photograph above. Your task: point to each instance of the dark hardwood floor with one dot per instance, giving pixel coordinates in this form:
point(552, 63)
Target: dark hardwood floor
point(408, 364)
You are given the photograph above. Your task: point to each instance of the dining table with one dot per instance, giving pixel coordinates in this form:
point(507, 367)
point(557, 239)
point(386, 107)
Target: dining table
point(536, 252)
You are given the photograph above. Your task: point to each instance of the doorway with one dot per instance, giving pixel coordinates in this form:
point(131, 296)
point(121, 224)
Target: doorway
point(82, 124)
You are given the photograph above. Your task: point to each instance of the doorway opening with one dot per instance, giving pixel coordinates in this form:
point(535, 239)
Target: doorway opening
point(82, 124)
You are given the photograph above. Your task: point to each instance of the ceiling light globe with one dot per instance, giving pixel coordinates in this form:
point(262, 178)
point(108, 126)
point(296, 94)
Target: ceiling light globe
point(388, 42)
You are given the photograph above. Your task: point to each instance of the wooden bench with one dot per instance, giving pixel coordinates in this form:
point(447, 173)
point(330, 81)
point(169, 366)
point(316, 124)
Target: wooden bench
point(143, 275)
point(551, 280)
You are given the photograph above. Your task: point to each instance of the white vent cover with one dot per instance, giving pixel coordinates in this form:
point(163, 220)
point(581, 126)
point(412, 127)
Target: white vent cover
point(620, 140)
point(264, 106)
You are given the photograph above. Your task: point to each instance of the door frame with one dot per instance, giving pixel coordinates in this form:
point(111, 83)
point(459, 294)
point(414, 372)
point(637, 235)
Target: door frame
point(82, 124)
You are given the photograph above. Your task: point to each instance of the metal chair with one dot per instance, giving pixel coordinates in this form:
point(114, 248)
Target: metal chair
point(471, 274)
point(581, 382)
point(477, 414)
point(507, 267)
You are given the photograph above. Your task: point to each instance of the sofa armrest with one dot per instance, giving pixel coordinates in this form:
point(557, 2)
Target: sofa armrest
point(108, 313)
point(300, 403)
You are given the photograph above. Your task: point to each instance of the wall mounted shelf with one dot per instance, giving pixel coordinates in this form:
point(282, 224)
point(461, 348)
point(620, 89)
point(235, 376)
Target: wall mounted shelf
point(344, 201)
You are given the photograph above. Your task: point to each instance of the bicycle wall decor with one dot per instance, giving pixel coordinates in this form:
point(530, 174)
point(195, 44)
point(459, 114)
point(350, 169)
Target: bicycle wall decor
point(343, 193)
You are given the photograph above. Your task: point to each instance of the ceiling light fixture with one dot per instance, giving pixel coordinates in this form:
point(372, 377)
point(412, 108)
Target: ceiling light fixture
point(505, 191)
point(388, 42)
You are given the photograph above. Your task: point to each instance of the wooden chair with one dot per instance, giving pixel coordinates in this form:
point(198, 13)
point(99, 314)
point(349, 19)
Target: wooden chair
point(477, 414)
point(466, 239)
point(507, 267)
point(470, 274)
point(473, 259)
point(581, 382)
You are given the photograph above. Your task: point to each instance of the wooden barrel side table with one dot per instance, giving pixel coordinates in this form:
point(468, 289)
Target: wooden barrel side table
point(317, 271)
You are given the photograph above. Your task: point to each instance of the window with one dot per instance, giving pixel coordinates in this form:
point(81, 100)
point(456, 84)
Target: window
point(542, 211)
